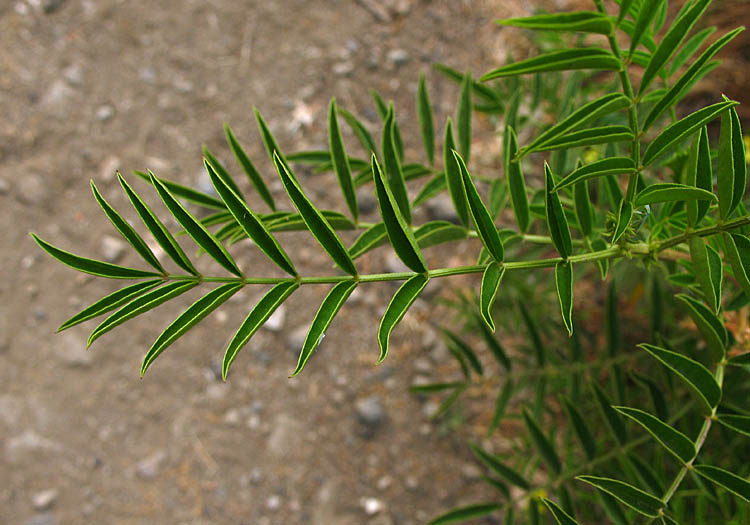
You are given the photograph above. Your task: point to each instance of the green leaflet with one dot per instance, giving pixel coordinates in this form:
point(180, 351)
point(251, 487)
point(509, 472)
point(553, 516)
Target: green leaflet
point(318, 225)
point(688, 49)
point(453, 177)
point(625, 7)
point(624, 217)
point(251, 223)
point(399, 233)
point(464, 350)
point(195, 229)
point(369, 239)
point(92, 266)
point(435, 387)
point(249, 168)
point(490, 95)
point(581, 21)
point(599, 168)
point(255, 319)
point(656, 394)
point(110, 302)
point(461, 514)
point(682, 129)
point(564, 284)
point(494, 346)
point(327, 311)
point(501, 404)
point(586, 113)
point(272, 147)
point(673, 440)
point(432, 187)
point(536, 340)
point(189, 194)
point(731, 173)
point(494, 464)
point(739, 424)
point(584, 435)
point(400, 303)
point(221, 171)
point(710, 326)
point(341, 161)
point(392, 167)
point(672, 96)
point(699, 175)
point(671, 41)
point(740, 360)
point(426, 119)
point(732, 482)
point(556, 221)
point(360, 131)
point(438, 232)
point(584, 210)
point(631, 496)
point(295, 222)
point(646, 14)
point(546, 449)
point(707, 267)
point(737, 251)
point(669, 192)
point(485, 225)
point(157, 229)
point(614, 421)
point(144, 303)
point(693, 373)
point(189, 318)
point(516, 183)
point(589, 137)
point(491, 279)
point(127, 231)
point(563, 60)
point(561, 517)
point(463, 117)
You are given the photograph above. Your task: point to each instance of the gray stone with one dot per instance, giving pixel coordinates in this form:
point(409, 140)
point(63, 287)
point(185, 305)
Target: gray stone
point(371, 506)
point(296, 338)
point(112, 248)
point(46, 518)
point(343, 69)
point(276, 322)
point(31, 189)
point(441, 208)
point(28, 442)
point(182, 85)
point(4, 186)
point(56, 98)
point(105, 112)
point(398, 57)
point(366, 201)
point(71, 350)
point(284, 437)
point(45, 499)
point(370, 412)
point(50, 6)
point(150, 467)
point(273, 502)
point(73, 75)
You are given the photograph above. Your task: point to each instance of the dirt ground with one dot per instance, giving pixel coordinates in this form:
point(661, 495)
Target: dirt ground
point(88, 87)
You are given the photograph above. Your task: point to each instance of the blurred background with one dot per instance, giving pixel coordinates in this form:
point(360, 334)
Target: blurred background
point(89, 87)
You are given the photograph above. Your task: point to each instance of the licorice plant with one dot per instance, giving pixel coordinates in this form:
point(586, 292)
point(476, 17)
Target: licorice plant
point(618, 180)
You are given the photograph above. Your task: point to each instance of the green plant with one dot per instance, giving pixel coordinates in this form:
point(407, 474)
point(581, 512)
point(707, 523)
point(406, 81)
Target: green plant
point(668, 222)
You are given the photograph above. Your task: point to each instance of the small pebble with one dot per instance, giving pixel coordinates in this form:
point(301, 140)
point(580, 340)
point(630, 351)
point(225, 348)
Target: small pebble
point(273, 502)
point(31, 189)
point(276, 322)
point(4, 186)
point(150, 467)
point(371, 506)
point(73, 75)
point(370, 411)
point(343, 69)
point(105, 112)
point(45, 499)
point(397, 57)
point(112, 249)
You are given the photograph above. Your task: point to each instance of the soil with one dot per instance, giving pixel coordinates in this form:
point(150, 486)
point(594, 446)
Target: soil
point(90, 87)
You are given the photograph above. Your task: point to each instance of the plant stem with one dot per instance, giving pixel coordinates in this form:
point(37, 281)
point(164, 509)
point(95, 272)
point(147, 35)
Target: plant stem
point(627, 88)
point(700, 440)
